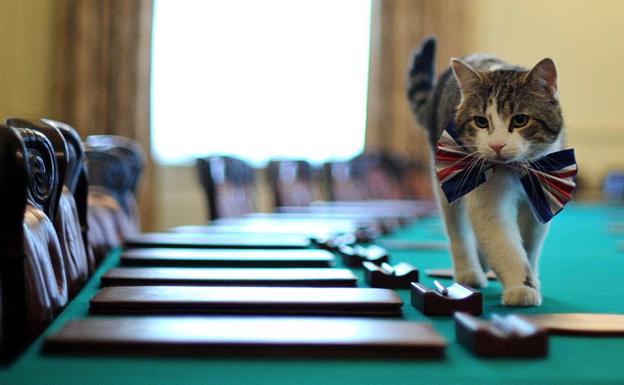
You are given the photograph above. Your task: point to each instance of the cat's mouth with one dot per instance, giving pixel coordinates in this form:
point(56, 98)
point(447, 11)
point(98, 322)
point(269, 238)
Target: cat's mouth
point(505, 158)
point(501, 158)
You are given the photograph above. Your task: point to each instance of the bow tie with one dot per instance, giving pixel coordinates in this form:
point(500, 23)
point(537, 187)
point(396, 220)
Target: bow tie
point(548, 182)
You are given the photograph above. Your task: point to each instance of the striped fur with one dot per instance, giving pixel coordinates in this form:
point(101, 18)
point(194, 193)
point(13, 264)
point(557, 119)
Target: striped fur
point(421, 76)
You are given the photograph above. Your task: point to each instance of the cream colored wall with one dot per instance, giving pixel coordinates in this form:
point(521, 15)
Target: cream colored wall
point(178, 198)
point(586, 40)
point(26, 58)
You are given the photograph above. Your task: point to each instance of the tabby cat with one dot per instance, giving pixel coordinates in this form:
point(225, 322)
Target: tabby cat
point(503, 113)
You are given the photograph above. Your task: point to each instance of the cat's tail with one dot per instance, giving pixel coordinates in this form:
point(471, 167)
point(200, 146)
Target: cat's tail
point(421, 79)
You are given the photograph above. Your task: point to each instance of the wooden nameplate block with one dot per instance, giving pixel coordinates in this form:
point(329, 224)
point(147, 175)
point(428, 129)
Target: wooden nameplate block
point(355, 255)
point(579, 323)
point(446, 300)
point(235, 241)
point(334, 242)
point(179, 276)
point(248, 336)
point(448, 273)
point(509, 336)
point(387, 276)
point(247, 300)
point(169, 257)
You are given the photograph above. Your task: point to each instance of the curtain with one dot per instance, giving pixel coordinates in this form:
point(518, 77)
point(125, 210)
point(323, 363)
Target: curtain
point(398, 26)
point(103, 73)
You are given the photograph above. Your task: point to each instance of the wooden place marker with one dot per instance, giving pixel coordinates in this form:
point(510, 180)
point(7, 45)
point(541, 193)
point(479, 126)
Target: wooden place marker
point(509, 336)
point(446, 300)
point(387, 276)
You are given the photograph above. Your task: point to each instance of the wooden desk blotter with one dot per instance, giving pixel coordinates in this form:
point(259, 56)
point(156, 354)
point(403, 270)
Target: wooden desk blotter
point(448, 273)
point(387, 276)
point(355, 255)
point(579, 323)
point(247, 300)
point(170, 257)
point(509, 336)
point(252, 336)
point(446, 300)
point(174, 276)
point(235, 241)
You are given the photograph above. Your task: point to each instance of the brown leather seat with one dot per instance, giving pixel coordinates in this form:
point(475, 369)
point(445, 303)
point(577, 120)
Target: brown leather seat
point(74, 251)
point(229, 186)
point(417, 181)
point(291, 181)
point(115, 165)
point(46, 284)
point(68, 223)
point(131, 153)
point(32, 269)
point(367, 176)
point(108, 223)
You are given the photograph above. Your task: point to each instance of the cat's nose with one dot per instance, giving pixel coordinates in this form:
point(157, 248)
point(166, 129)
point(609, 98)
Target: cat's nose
point(497, 146)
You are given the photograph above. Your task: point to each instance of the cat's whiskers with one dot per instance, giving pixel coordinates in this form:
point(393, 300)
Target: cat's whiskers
point(468, 171)
point(467, 156)
point(526, 165)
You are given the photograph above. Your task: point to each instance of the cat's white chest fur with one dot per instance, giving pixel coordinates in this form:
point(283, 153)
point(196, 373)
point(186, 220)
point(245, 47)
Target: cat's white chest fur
point(495, 202)
point(500, 228)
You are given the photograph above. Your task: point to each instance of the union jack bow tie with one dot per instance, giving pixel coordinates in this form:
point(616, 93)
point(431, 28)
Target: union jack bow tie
point(548, 182)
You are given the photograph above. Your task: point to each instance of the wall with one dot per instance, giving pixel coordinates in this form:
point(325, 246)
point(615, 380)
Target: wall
point(26, 63)
point(585, 40)
point(178, 199)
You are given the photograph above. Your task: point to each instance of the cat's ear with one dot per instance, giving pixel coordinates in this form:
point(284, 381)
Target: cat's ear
point(544, 77)
point(466, 76)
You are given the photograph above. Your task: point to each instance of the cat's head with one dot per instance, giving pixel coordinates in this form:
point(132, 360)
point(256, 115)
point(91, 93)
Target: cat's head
point(508, 114)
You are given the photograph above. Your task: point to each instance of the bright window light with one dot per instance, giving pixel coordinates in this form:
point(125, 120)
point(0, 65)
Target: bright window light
point(259, 79)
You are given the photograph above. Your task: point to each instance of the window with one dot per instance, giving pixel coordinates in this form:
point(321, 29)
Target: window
point(259, 79)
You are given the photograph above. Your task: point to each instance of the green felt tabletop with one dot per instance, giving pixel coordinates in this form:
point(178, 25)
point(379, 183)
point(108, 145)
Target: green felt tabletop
point(581, 271)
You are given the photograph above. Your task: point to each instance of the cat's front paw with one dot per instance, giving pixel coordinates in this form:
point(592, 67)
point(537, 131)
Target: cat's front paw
point(522, 295)
point(471, 277)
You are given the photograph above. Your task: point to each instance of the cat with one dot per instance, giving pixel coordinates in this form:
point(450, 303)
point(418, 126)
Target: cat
point(503, 113)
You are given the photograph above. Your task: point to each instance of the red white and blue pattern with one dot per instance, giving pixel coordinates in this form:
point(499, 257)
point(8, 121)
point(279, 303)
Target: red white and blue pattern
point(548, 181)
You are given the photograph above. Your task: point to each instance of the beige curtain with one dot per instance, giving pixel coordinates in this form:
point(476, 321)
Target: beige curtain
point(103, 73)
point(397, 29)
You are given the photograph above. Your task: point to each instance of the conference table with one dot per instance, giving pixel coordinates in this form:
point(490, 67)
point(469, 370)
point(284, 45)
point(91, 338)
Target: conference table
point(582, 270)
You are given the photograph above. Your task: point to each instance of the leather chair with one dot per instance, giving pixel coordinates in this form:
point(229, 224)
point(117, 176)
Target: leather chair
point(367, 176)
point(229, 186)
point(110, 219)
point(33, 285)
point(70, 219)
point(132, 154)
point(340, 185)
point(417, 181)
point(291, 182)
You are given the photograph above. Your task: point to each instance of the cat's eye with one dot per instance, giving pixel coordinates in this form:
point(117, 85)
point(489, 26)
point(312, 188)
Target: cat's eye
point(519, 120)
point(481, 121)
